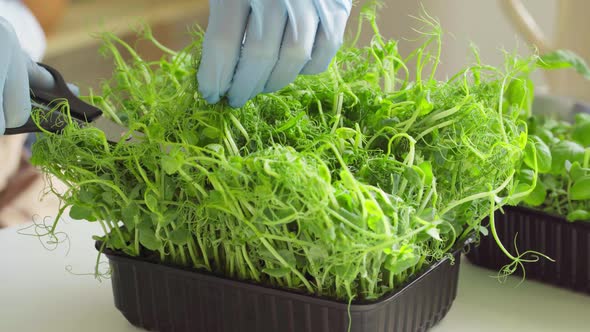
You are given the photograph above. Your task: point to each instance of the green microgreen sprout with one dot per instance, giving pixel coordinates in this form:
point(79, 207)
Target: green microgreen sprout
point(344, 185)
point(563, 148)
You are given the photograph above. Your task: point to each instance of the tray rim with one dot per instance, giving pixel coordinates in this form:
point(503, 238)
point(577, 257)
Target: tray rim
point(585, 224)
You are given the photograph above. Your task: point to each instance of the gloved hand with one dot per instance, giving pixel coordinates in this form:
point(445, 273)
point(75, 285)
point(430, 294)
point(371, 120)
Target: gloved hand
point(254, 46)
point(17, 73)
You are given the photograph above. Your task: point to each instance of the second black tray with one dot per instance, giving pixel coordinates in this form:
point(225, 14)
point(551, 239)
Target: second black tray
point(566, 242)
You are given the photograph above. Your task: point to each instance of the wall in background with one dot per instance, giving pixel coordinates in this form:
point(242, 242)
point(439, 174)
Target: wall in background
point(479, 21)
point(463, 21)
point(75, 48)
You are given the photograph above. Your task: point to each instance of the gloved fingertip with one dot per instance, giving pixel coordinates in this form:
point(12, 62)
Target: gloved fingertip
point(39, 77)
point(25, 115)
point(270, 89)
point(243, 90)
point(19, 118)
point(237, 102)
point(211, 98)
point(275, 86)
point(321, 62)
point(278, 83)
point(315, 69)
point(74, 89)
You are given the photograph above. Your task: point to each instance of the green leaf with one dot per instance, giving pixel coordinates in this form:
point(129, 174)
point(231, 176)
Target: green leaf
point(529, 154)
point(402, 262)
point(168, 217)
point(129, 214)
point(564, 59)
point(170, 165)
point(521, 188)
point(134, 194)
point(576, 171)
point(424, 106)
point(292, 122)
point(345, 133)
point(426, 167)
point(285, 254)
point(412, 176)
point(98, 238)
point(217, 148)
point(434, 233)
point(526, 176)
point(211, 132)
point(170, 189)
point(374, 216)
point(546, 135)
point(537, 196)
point(483, 230)
point(79, 212)
point(116, 242)
point(581, 132)
point(346, 272)
point(579, 215)
point(318, 253)
point(278, 272)
point(288, 256)
point(151, 201)
point(147, 238)
point(155, 129)
point(324, 173)
point(87, 196)
point(521, 92)
point(581, 189)
point(347, 179)
point(108, 197)
point(543, 155)
point(179, 236)
point(428, 214)
point(565, 150)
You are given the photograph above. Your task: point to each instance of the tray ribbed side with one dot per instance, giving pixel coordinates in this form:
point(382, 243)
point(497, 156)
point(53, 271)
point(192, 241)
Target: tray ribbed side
point(567, 243)
point(167, 299)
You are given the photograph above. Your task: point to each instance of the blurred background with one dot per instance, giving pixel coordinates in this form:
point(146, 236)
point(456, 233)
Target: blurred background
point(73, 49)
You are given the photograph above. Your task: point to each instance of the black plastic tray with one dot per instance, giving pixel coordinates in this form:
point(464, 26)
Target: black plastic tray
point(163, 298)
point(566, 242)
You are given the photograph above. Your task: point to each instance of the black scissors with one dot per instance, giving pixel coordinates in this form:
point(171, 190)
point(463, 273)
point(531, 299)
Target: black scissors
point(55, 121)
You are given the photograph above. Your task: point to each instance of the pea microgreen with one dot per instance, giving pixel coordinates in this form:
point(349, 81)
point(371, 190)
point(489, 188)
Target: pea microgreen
point(344, 184)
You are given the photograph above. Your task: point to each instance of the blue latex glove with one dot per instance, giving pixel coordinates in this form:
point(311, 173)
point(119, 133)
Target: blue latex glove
point(17, 73)
point(254, 46)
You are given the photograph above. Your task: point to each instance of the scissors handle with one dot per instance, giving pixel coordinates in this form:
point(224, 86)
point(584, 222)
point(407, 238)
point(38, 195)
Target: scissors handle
point(53, 119)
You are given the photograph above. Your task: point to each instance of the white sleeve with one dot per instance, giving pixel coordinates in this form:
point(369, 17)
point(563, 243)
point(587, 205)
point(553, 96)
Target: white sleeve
point(28, 30)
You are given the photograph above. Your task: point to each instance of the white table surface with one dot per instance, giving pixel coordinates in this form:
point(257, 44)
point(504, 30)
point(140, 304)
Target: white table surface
point(38, 294)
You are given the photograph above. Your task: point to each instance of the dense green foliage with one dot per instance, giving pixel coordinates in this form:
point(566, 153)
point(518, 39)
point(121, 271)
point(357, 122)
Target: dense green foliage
point(343, 184)
point(563, 151)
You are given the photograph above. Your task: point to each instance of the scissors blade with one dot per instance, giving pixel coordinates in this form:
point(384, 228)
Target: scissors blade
point(115, 132)
point(53, 120)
